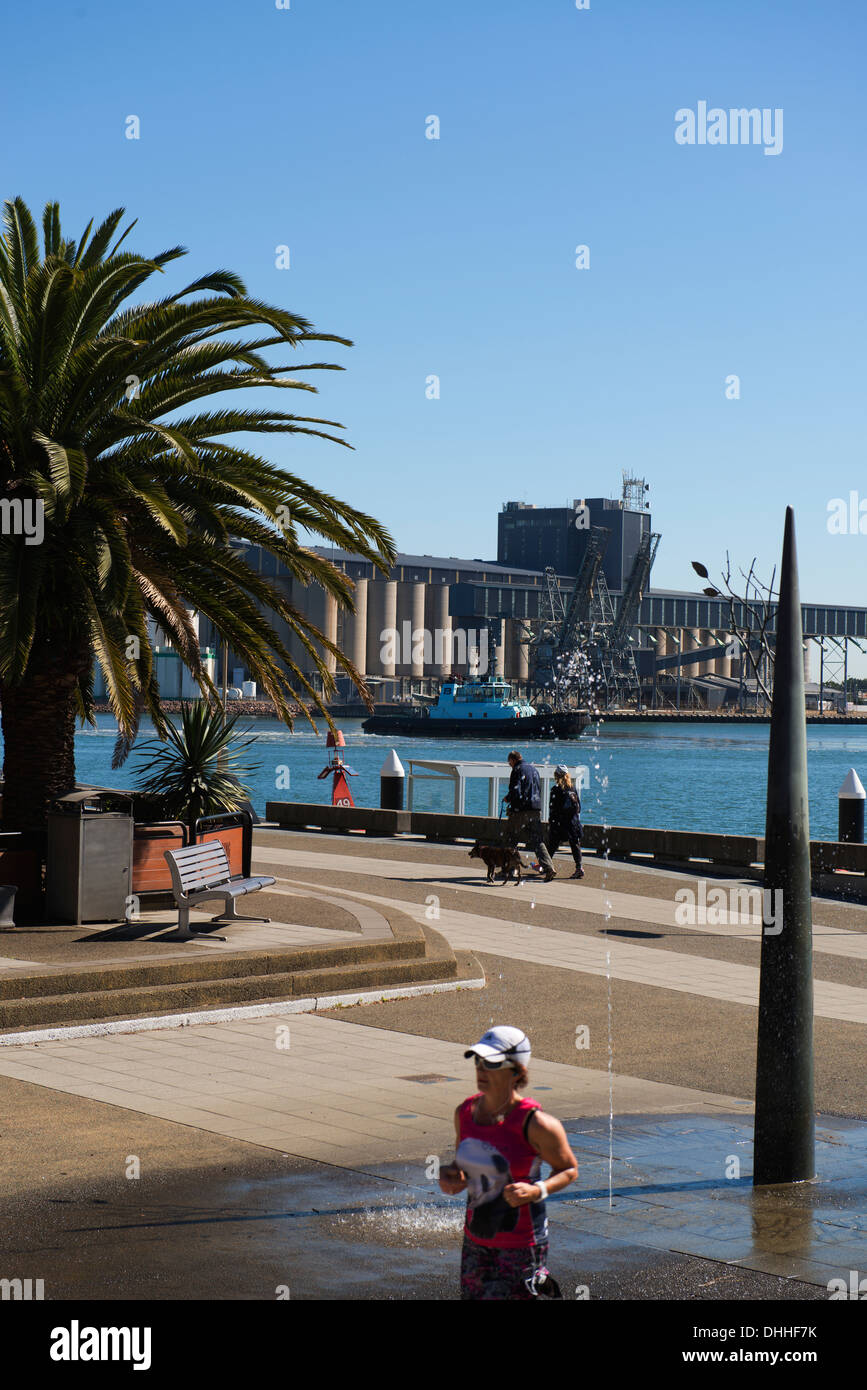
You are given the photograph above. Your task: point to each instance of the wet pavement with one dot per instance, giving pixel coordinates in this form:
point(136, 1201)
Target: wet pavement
point(673, 1226)
point(684, 1184)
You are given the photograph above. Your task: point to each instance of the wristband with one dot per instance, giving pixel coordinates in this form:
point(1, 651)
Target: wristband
point(543, 1190)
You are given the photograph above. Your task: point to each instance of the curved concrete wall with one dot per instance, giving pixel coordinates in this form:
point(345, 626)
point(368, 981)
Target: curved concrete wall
point(518, 657)
point(381, 617)
point(410, 609)
point(322, 611)
point(309, 600)
point(723, 663)
point(439, 623)
point(691, 641)
point(708, 668)
point(354, 643)
point(497, 655)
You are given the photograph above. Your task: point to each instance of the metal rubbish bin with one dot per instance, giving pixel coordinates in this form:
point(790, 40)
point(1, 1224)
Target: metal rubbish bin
point(89, 856)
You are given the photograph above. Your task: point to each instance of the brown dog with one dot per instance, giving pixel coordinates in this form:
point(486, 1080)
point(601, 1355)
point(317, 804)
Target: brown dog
point(498, 857)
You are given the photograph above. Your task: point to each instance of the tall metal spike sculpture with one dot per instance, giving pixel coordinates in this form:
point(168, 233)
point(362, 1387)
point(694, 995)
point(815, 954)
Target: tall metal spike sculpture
point(784, 1129)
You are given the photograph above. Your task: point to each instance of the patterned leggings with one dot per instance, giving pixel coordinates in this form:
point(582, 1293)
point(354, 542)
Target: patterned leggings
point(497, 1274)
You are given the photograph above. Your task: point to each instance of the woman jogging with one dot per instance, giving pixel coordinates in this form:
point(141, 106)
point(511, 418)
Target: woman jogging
point(564, 817)
point(502, 1140)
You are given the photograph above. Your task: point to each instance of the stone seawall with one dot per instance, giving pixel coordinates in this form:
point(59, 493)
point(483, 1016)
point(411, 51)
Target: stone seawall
point(261, 709)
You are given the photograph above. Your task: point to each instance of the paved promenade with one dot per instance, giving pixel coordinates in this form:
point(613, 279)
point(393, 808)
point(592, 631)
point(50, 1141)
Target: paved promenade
point(671, 969)
point(313, 1086)
point(622, 1004)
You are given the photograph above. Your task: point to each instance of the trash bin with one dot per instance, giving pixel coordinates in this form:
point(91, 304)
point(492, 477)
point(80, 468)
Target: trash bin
point(89, 856)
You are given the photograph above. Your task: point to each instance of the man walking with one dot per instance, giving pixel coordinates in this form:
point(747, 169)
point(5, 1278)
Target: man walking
point(524, 799)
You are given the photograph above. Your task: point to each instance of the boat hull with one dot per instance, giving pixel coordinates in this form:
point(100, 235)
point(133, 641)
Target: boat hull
point(565, 724)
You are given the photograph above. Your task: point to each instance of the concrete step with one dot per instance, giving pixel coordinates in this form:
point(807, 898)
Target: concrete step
point(87, 1006)
point(52, 980)
point(52, 996)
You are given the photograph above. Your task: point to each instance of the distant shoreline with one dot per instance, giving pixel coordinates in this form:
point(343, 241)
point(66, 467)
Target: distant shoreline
point(265, 709)
point(658, 716)
point(262, 709)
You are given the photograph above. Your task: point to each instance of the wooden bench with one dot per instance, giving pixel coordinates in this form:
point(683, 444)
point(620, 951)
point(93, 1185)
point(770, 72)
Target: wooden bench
point(200, 872)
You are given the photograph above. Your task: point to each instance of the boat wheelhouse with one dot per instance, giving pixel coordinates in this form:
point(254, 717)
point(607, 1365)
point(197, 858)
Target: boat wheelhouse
point(478, 699)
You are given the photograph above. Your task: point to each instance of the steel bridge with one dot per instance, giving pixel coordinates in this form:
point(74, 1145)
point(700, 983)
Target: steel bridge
point(667, 608)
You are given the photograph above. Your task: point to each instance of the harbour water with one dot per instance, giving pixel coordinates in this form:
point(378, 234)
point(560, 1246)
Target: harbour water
point(688, 776)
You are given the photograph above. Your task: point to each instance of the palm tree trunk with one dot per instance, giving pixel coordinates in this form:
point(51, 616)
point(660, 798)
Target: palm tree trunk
point(39, 718)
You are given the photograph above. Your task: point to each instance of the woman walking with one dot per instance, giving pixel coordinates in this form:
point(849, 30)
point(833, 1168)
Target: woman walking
point(564, 817)
point(502, 1139)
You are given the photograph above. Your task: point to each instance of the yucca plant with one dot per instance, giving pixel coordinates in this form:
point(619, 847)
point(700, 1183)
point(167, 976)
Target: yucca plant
point(141, 490)
point(197, 770)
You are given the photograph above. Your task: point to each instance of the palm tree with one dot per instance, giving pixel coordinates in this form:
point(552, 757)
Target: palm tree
point(140, 491)
point(196, 770)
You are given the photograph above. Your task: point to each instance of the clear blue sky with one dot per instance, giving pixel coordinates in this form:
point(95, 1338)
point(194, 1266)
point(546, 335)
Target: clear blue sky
point(306, 127)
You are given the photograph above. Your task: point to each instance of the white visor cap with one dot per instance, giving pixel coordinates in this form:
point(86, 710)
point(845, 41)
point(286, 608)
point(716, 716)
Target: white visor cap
point(508, 1043)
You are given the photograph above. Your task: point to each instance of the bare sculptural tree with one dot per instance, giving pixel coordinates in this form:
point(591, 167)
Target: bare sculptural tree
point(751, 615)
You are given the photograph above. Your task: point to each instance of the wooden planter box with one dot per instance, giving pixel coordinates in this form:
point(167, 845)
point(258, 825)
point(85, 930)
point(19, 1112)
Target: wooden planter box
point(150, 872)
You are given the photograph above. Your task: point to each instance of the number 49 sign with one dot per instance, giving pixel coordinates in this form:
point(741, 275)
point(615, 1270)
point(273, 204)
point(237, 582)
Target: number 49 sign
point(340, 793)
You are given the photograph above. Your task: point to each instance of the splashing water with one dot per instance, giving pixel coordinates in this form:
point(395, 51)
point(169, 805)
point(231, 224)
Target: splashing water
point(610, 1090)
point(413, 1224)
point(605, 783)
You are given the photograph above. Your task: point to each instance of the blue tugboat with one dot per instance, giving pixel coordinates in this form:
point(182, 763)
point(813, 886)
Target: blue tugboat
point(480, 709)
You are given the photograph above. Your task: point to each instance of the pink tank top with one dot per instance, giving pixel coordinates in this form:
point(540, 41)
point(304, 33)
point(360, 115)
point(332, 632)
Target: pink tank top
point(492, 1156)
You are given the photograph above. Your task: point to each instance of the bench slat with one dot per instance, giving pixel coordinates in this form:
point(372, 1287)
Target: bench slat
point(200, 855)
point(199, 866)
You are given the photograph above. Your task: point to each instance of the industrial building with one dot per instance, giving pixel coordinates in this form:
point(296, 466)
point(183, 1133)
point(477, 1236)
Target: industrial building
point(534, 538)
point(433, 617)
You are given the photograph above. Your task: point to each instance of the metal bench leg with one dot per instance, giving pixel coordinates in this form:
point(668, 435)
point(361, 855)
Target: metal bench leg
point(230, 913)
point(184, 933)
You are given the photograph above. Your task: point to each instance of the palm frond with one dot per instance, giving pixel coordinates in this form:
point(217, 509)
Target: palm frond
point(117, 414)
